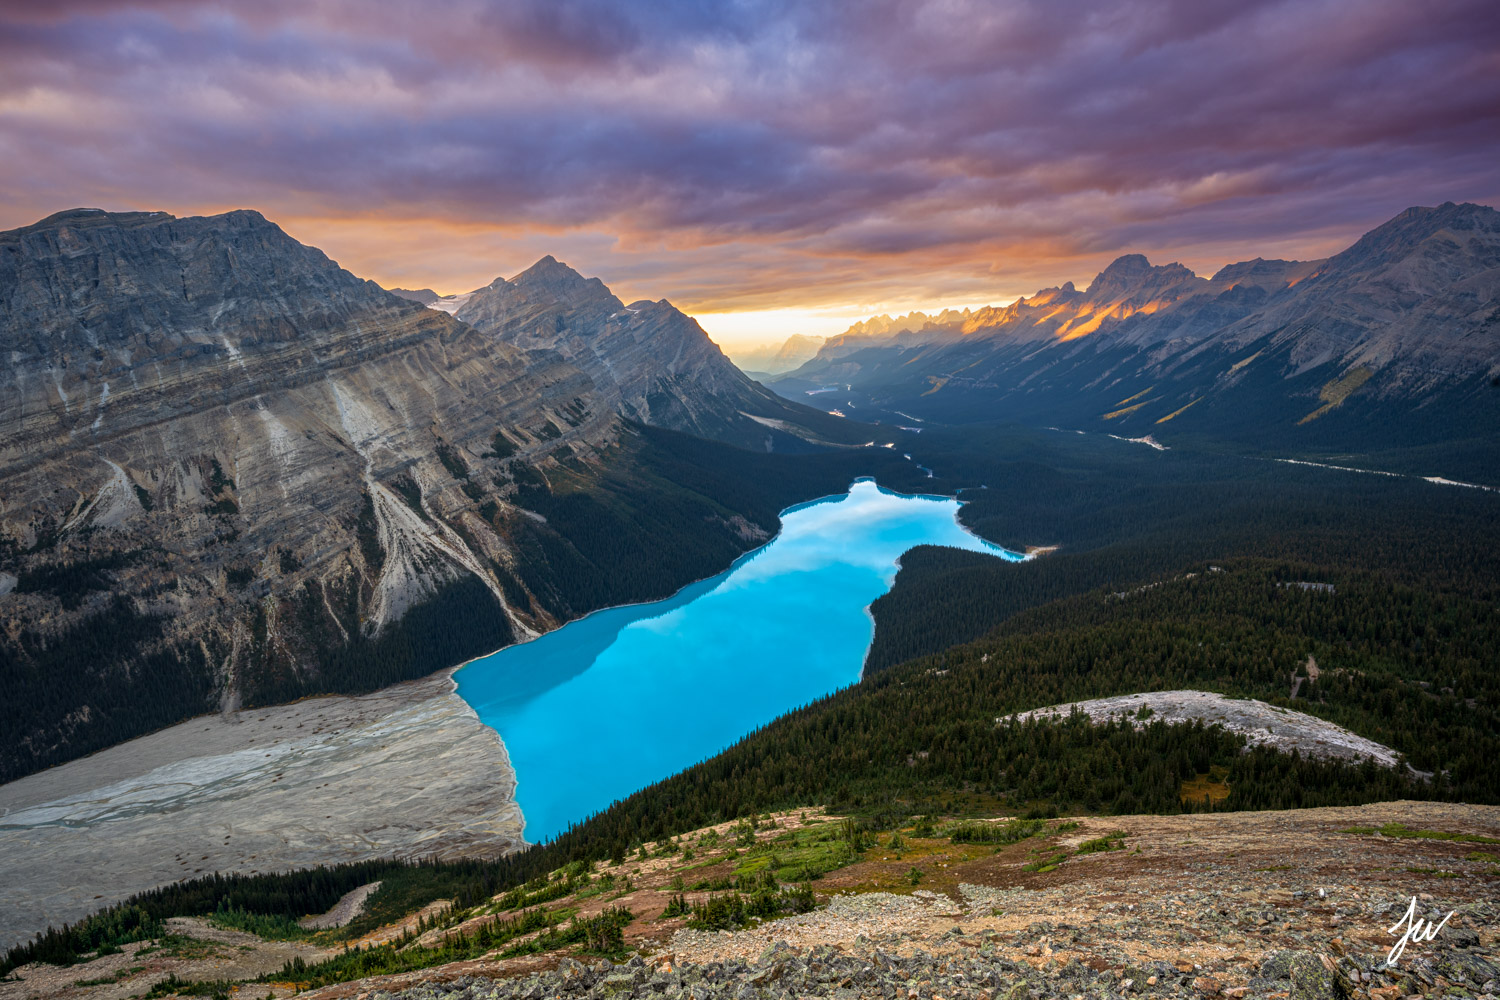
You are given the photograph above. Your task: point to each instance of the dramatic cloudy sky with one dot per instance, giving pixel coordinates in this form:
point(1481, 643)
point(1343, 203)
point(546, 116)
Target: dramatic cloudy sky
point(802, 163)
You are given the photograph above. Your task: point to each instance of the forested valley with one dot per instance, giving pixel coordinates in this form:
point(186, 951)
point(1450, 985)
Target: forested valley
point(1173, 571)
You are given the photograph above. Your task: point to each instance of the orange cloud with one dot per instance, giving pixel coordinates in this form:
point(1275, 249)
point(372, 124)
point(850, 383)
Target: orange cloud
point(759, 156)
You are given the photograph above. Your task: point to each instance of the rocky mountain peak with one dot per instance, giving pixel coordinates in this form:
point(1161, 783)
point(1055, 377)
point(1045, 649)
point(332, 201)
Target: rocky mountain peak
point(1270, 275)
point(1457, 239)
point(147, 284)
point(551, 279)
point(1049, 295)
point(1400, 324)
point(1125, 266)
point(1243, 269)
point(85, 218)
point(650, 360)
point(1133, 277)
point(549, 306)
point(1404, 301)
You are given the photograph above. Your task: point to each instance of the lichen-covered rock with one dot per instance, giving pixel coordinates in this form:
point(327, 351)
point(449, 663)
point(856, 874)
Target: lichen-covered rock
point(1465, 967)
point(1316, 977)
point(1277, 965)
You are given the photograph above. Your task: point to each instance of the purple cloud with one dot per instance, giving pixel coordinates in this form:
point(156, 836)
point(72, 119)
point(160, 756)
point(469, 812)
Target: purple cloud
point(760, 153)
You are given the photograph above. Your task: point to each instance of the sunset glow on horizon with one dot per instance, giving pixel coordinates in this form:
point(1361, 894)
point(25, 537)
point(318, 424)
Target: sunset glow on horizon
point(773, 168)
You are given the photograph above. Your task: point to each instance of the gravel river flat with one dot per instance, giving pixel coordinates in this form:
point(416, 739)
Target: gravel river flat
point(408, 770)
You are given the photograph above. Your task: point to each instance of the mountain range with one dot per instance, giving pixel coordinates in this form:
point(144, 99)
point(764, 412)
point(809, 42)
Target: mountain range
point(1394, 341)
point(234, 473)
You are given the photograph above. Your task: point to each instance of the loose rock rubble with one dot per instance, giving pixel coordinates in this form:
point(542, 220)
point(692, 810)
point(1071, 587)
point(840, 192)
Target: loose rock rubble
point(865, 971)
point(889, 947)
point(1269, 906)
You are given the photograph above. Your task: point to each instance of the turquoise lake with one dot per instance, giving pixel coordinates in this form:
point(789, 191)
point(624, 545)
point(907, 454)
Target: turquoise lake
point(627, 696)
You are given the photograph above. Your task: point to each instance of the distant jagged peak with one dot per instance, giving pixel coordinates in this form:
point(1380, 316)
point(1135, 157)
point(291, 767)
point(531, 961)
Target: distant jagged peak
point(1047, 296)
point(1131, 286)
point(875, 326)
point(801, 341)
point(1132, 277)
point(992, 316)
point(886, 325)
point(1026, 317)
point(1240, 270)
point(775, 358)
point(950, 318)
point(1416, 294)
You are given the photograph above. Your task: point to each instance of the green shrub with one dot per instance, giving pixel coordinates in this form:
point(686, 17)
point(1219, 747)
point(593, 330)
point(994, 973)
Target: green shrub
point(1109, 842)
point(1012, 832)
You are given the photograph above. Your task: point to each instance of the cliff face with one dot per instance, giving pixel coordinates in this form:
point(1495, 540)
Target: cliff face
point(115, 333)
point(231, 471)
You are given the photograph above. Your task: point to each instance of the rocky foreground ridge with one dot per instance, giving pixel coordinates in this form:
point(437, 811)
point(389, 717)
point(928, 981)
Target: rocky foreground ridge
point(872, 972)
point(1274, 906)
point(231, 471)
point(1270, 905)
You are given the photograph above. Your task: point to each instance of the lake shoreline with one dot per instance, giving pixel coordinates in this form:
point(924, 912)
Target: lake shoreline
point(794, 613)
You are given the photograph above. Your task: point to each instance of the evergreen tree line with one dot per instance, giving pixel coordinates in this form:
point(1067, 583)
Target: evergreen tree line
point(668, 509)
point(116, 663)
point(1123, 513)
